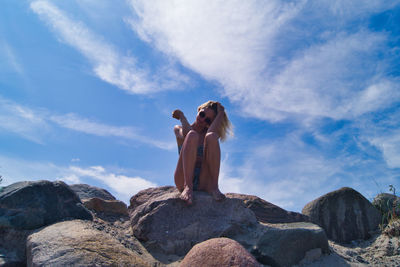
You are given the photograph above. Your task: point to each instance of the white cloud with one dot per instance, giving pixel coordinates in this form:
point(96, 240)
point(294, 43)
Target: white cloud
point(124, 186)
point(390, 148)
point(8, 55)
point(327, 80)
point(278, 59)
point(71, 179)
point(76, 123)
point(388, 142)
point(36, 124)
point(380, 131)
point(354, 9)
point(108, 64)
point(290, 172)
point(22, 121)
point(288, 175)
point(18, 169)
point(283, 173)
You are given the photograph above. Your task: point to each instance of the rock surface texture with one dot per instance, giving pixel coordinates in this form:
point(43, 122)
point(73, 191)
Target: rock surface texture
point(344, 214)
point(106, 206)
point(221, 252)
point(31, 234)
point(288, 244)
point(150, 193)
point(12, 246)
point(77, 243)
point(267, 212)
point(87, 191)
point(30, 205)
point(167, 225)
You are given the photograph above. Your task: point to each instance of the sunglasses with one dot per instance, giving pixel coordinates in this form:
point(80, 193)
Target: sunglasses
point(202, 114)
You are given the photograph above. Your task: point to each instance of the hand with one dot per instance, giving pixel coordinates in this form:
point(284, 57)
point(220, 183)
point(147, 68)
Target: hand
point(220, 108)
point(177, 114)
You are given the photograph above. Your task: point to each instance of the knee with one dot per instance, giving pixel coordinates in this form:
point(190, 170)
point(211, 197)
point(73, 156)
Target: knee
point(211, 138)
point(177, 131)
point(177, 128)
point(192, 137)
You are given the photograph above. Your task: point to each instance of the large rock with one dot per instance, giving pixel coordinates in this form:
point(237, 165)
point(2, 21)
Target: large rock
point(287, 244)
point(221, 252)
point(77, 243)
point(267, 212)
point(99, 205)
point(344, 214)
point(85, 191)
point(167, 225)
point(30, 205)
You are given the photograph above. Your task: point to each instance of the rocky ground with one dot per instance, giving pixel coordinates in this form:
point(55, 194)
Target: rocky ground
point(379, 250)
point(89, 226)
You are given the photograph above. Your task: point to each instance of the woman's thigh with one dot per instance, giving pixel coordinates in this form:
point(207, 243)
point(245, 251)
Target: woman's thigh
point(178, 177)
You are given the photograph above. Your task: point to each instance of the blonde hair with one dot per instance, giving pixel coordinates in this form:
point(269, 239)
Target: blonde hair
point(225, 128)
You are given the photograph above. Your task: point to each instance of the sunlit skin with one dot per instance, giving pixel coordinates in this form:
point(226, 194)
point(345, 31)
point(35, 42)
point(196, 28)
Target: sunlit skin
point(190, 137)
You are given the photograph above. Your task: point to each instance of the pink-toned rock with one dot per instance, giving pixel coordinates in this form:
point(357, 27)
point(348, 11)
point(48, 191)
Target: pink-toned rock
point(267, 212)
point(106, 206)
point(219, 252)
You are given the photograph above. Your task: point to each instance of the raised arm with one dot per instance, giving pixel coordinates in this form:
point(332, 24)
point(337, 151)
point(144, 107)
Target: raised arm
point(216, 124)
point(178, 114)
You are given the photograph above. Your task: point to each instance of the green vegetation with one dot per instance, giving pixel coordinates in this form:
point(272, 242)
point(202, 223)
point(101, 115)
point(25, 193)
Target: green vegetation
point(389, 206)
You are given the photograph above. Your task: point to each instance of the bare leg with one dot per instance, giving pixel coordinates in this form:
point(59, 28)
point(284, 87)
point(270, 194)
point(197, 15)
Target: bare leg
point(185, 168)
point(212, 160)
point(178, 135)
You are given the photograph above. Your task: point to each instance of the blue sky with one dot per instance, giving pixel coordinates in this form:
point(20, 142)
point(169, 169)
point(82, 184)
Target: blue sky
point(312, 88)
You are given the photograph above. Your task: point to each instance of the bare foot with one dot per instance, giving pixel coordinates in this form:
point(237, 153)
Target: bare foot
point(217, 195)
point(187, 196)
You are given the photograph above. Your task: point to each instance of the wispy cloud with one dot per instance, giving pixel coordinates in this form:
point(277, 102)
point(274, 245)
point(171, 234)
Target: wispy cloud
point(7, 54)
point(315, 62)
point(124, 186)
point(108, 63)
point(35, 124)
point(290, 171)
point(389, 144)
point(383, 132)
point(282, 173)
point(23, 121)
point(76, 123)
point(279, 59)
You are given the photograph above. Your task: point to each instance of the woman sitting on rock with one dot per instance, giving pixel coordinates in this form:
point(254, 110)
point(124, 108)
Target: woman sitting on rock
point(199, 151)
